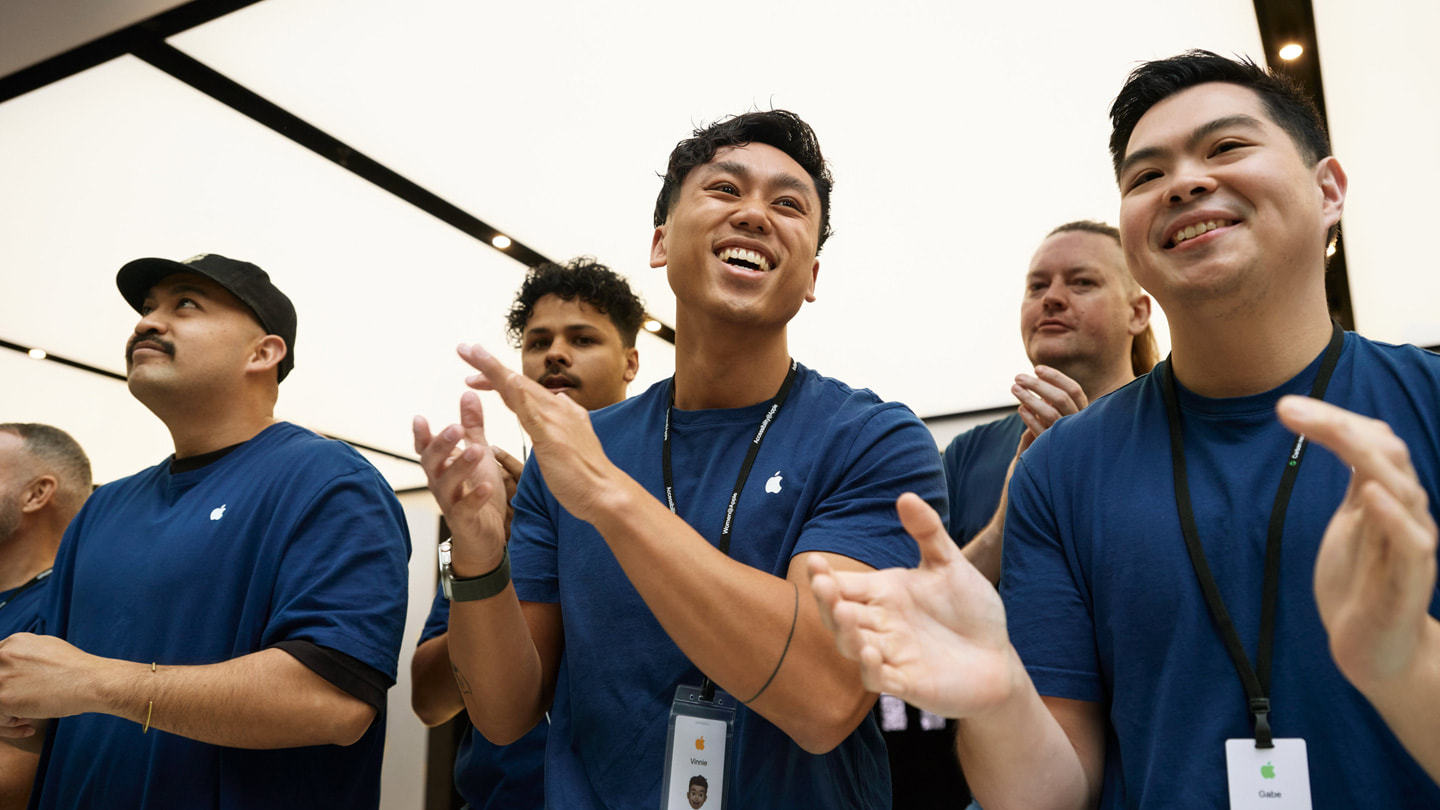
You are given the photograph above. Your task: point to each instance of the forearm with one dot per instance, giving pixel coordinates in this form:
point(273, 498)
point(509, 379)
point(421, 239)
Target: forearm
point(498, 668)
point(433, 693)
point(262, 700)
point(1020, 755)
point(17, 774)
point(757, 635)
point(984, 549)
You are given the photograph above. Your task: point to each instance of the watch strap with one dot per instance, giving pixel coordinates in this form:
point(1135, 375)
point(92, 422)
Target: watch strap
point(483, 586)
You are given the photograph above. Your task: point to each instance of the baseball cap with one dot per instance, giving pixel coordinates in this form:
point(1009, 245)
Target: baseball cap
point(243, 280)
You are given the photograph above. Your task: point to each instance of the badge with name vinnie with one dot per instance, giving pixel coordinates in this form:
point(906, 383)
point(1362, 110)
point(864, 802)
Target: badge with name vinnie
point(697, 751)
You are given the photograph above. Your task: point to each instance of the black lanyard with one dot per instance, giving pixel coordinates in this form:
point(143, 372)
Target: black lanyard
point(708, 688)
point(27, 586)
point(1256, 685)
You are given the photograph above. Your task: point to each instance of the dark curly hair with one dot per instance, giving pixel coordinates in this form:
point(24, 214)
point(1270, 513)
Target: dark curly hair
point(1283, 98)
point(587, 279)
point(781, 129)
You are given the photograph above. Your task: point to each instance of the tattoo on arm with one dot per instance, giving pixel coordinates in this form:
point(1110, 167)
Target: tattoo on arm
point(460, 680)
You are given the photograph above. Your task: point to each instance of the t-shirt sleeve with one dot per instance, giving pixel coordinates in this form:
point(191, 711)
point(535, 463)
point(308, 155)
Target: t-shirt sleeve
point(890, 453)
point(439, 619)
point(1047, 605)
point(343, 582)
point(534, 561)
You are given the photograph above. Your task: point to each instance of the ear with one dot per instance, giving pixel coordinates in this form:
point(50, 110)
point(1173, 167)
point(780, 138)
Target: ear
point(658, 256)
point(1333, 185)
point(632, 364)
point(1139, 314)
point(814, 274)
point(267, 353)
point(39, 493)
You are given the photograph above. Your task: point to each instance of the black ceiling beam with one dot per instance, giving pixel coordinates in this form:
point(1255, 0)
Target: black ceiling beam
point(102, 50)
point(1283, 22)
point(180, 65)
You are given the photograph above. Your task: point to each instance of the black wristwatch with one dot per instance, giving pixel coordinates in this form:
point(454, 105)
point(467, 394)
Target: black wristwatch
point(473, 588)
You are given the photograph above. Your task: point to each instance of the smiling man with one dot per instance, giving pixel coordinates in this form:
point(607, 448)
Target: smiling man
point(1085, 323)
point(575, 326)
point(1189, 589)
point(223, 626)
point(650, 566)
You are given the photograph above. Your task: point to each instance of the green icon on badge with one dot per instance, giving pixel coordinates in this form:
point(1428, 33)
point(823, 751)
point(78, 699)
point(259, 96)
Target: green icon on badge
point(1267, 770)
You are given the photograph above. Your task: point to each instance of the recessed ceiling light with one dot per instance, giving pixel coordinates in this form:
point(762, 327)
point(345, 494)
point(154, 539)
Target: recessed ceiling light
point(502, 241)
point(652, 325)
point(1330, 251)
point(38, 354)
point(1291, 51)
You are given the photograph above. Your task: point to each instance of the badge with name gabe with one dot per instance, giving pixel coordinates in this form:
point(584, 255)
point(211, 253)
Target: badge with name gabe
point(1268, 778)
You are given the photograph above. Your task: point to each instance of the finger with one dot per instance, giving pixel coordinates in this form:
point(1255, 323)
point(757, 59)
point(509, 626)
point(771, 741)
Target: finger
point(1034, 425)
point(923, 523)
point(421, 428)
point(435, 455)
point(472, 418)
point(512, 465)
point(1367, 445)
point(1398, 550)
point(1059, 381)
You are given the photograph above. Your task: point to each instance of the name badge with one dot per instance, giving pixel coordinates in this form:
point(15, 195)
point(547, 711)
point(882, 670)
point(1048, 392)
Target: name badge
point(1268, 778)
point(697, 753)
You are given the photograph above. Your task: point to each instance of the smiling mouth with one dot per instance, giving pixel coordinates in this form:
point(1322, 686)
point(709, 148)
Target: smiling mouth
point(1192, 231)
point(748, 259)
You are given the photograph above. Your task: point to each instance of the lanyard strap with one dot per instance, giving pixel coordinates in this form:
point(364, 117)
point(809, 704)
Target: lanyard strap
point(35, 580)
point(1257, 685)
point(744, 468)
point(708, 687)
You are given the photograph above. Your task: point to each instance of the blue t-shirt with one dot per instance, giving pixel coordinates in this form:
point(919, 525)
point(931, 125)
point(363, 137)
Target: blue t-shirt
point(1103, 604)
point(21, 606)
point(826, 479)
point(288, 537)
point(490, 776)
point(975, 465)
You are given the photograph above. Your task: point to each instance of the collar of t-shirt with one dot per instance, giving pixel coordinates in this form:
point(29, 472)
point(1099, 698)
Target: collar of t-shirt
point(184, 465)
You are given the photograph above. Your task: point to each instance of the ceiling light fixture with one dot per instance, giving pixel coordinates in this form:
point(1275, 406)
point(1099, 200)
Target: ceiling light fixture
point(501, 241)
point(1291, 51)
point(38, 354)
point(652, 325)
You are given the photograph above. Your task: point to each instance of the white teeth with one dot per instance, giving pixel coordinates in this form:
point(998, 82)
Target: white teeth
point(747, 256)
point(1192, 231)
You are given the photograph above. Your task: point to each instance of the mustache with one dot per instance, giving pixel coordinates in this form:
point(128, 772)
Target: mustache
point(163, 344)
point(554, 370)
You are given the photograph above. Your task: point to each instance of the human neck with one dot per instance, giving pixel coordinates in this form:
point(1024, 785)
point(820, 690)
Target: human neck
point(26, 553)
point(197, 429)
point(1246, 356)
point(728, 373)
point(1097, 382)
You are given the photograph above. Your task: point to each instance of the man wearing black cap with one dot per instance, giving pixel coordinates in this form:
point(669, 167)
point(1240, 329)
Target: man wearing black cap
point(223, 625)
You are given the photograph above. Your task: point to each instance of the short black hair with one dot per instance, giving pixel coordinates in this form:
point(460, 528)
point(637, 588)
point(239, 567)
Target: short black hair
point(700, 780)
point(586, 279)
point(781, 129)
point(1289, 106)
point(58, 451)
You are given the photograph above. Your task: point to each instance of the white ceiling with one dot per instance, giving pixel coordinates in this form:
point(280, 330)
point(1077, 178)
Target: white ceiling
point(958, 133)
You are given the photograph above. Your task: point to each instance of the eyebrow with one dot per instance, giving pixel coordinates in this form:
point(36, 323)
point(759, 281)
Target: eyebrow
point(181, 288)
point(1199, 134)
point(569, 327)
point(784, 180)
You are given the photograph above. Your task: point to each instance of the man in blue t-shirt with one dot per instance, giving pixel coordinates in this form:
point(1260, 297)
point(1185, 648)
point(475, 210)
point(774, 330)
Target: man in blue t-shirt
point(1199, 608)
point(222, 626)
point(648, 562)
point(1085, 324)
point(44, 480)
point(1086, 328)
point(575, 326)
